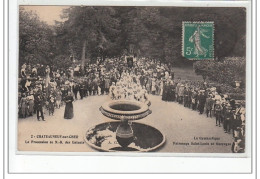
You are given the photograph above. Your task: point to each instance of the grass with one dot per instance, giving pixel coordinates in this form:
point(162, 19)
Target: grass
point(186, 73)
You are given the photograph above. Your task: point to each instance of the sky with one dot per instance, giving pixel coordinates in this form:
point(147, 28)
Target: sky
point(47, 13)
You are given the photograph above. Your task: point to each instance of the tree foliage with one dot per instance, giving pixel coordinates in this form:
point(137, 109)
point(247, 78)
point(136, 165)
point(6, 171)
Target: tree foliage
point(153, 32)
point(224, 72)
point(35, 39)
point(95, 26)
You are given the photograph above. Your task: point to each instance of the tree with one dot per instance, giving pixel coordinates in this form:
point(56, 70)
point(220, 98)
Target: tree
point(88, 32)
point(88, 29)
point(227, 71)
point(35, 39)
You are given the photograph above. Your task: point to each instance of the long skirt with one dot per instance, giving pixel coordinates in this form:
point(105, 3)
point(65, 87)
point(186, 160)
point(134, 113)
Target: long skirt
point(171, 96)
point(31, 107)
point(68, 114)
point(165, 95)
point(24, 110)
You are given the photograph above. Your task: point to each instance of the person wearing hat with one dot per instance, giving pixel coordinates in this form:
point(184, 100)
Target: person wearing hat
point(165, 92)
point(38, 102)
point(23, 106)
point(223, 111)
point(81, 89)
point(181, 93)
point(238, 110)
point(58, 98)
point(141, 79)
point(112, 90)
point(186, 96)
point(149, 85)
point(171, 92)
point(218, 109)
point(161, 81)
point(153, 86)
point(209, 105)
point(102, 85)
point(237, 119)
point(30, 99)
point(23, 71)
point(75, 89)
point(85, 87)
point(202, 101)
point(189, 97)
point(113, 78)
point(233, 104)
point(51, 102)
point(228, 119)
point(194, 100)
point(64, 91)
point(95, 84)
point(89, 85)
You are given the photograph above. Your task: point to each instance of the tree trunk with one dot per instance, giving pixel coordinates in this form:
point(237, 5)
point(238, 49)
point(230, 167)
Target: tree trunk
point(83, 57)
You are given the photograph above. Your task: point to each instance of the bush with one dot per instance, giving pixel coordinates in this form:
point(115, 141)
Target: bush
point(224, 72)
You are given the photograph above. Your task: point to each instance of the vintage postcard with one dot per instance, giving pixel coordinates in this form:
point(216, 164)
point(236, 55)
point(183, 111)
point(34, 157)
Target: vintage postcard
point(157, 79)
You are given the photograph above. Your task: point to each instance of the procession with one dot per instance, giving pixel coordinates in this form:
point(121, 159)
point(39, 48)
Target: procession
point(132, 79)
point(44, 95)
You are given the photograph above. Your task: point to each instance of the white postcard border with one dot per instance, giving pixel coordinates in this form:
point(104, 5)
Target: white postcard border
point(180, 163)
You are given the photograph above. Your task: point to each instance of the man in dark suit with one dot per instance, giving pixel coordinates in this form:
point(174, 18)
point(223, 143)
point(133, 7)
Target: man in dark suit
point(38, 105)
point(81, 90)
point(228, 119)
point(209, 105)
point(75, 89)
point(202, 101)
point(218, 109)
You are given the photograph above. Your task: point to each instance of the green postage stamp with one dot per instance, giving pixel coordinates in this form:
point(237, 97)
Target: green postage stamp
point(198, 40)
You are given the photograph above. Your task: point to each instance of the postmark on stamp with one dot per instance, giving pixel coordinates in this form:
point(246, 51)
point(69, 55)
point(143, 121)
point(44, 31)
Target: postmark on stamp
point(198, 40)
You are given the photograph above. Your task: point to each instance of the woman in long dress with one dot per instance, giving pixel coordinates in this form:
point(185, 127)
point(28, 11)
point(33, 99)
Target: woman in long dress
point(24, 106)
point(68, 114)
point(165, 92)
point(30, 99)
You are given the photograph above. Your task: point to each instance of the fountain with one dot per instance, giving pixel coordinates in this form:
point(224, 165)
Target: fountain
point(124, 134)
point(131, 110)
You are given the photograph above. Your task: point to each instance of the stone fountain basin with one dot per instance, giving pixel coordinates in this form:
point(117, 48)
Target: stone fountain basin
point(131, 110)
point(146, 138)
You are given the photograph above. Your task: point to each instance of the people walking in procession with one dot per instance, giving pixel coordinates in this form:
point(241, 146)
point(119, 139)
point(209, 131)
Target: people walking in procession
point(112, 77)
point(68, 114)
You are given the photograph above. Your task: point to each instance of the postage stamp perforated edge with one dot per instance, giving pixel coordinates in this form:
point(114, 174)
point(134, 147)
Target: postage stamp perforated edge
point(183, 32)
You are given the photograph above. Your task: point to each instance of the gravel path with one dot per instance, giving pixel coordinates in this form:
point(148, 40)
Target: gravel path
point(186, 131)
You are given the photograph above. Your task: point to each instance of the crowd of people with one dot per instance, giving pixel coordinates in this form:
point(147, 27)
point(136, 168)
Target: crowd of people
point(128, 87)
point(199, 96)
point(48, 87)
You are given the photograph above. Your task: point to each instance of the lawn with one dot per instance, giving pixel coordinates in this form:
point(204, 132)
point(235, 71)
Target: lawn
point(186, 73)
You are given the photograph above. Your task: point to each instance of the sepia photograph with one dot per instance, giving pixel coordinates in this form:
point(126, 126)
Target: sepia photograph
point(162, 79)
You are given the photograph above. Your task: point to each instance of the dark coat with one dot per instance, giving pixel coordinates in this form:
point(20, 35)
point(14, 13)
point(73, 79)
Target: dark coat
point(38, 102)
point(68, 114)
